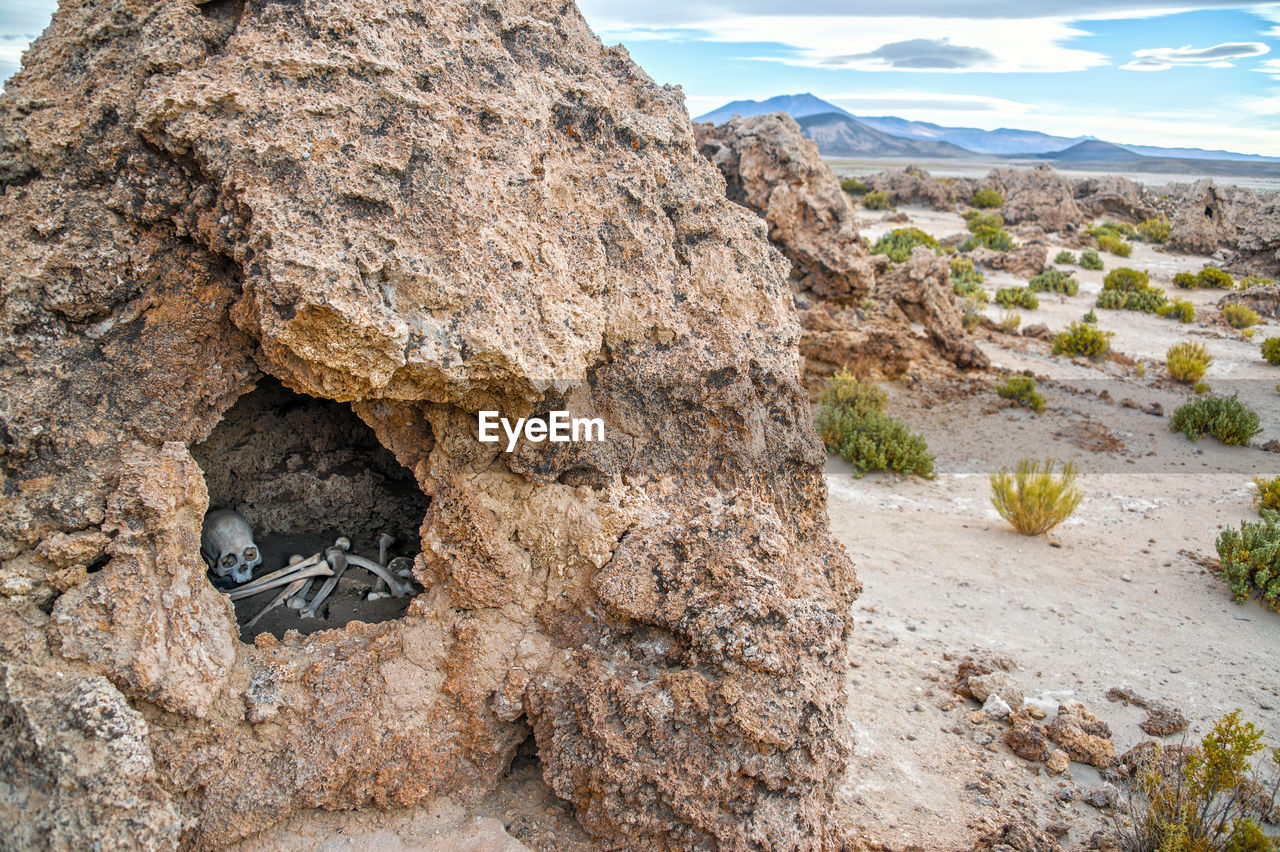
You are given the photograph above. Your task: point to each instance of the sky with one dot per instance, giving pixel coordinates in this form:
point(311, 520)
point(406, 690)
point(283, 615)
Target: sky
point(1141, 72)
point(1176, 73)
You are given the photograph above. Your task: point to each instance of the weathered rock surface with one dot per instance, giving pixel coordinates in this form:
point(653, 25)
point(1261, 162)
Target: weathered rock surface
point(421, 216)
point(1265, 299)
point(770, 167)
point(1040, 196)
point(997, 683)
point(1026, 261)
point(1084, 737)
point(1208, 218)
point(914, 185)
point(1115, 197)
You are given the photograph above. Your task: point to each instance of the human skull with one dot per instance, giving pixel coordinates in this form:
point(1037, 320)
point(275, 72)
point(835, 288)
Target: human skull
point(226, 543)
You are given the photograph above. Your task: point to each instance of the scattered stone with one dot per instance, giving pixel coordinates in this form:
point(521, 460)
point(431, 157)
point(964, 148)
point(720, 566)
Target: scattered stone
point(995, 706)
point(1057, 828)
point(982, 738)
point(1027, 741)
point(997, 683)
point(1103, 798)
point(1083, 736)
point(1058, 762)
point(1039, 331)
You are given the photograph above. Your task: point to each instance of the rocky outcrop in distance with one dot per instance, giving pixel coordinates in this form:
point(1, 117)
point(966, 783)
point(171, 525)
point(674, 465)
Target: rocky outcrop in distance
point(1208, 218)
point(771, 168)
point(414, 217)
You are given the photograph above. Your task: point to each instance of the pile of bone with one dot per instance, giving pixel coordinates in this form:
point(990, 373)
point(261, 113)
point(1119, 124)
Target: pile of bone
point(229, 549)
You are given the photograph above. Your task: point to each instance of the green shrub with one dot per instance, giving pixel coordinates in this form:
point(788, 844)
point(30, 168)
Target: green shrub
point(1022, 390)
point(876, 200)
point(1239, 316)
point(1251, 559)
point(1064, 256)
point(1215, 278)
point(1115, 245)
point(1112, 229)
point(1148, 301)
point(851, 421)
point(1199, 799)
point(1224, 417)
point(1033, 499)
point(966, 280)
point(1186, 280)
point(1179, 309)
point(994, 221)
point(1126, 280)
point(1254, 281)
point(1154, 230)
point(1090, 259)
point(853, 186)
point(1271, 350)
point(1201, 387)
point(1267, 493)
point(987, 198)
point(1082, 339)
point(900, 242)
point(1187, 362)
point(1054, 281)
point(1090, 317)
point(1017, 297)
point(996, 239)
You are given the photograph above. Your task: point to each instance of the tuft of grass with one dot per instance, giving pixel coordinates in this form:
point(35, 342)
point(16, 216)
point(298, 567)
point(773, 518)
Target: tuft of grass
point(1082, 339)
point(1022, 390)
point(1140, 369)
point(996, 239)
point(1090, 259)
point(876, 200)
point(1203, 798)
point(1150, 300)
point(1254, 281)
point(1064, 257)
point(900, 242)
point(1033, 499)
point(1054, 281)
point(1250, 559)
point(966, 280)
point(1211, 277)
point(1090, 317)
point(1115, 245)
point(1180, 309)
point(852, 422)
point(1271, 351)
point(1267, 493)
point(1017, 297)
point(1126, 280)
point(985, 199)
point(972, 310)
point(853, 186)
point(1224, 417)
point(1010, 321)
point(1239, 316)
point(1154, 230)
point(1187, 362)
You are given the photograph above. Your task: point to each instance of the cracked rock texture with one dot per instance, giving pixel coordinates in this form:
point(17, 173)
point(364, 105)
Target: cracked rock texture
point(771, 168)
point(1040, 196)
point(1208, 217)
point(418, 213)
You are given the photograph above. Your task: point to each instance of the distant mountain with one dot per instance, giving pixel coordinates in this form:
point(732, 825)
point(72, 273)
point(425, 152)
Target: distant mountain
point(839, 135)
point(1093, 152)
point(796, 106)
point(1004, 141)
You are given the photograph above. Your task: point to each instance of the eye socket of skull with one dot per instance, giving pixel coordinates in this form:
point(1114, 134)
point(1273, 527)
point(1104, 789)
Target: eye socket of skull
point(250, 554)
point(229, 560)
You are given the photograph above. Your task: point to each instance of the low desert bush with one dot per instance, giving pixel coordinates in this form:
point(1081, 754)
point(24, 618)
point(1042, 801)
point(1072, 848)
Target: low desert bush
point(1115, 245)
point(972, 310)
point(1017, 297)
point(1154, 230)
point(1010, 321)
point(1126, 280)
point(1224, 417)
point(1202, 798)
point(1149, 301)
point(1054, 281)
point(1254, 281)
point(1034, 500)
point(1090, 259)
point(876, 200)
point(1271, 350)
point(1112, 229)
point(1022, 390)
point(1187, 362)
point(1179, 309)
point(996, 239)
point(977, 220)
point(984, 199)
point(900, 242)
point(1250, 559)
point(966, 280)
point(1239, 316)
point(1210, 277)
point(1267, 493)
point(1082, 339)
point(852, 422)
point(1090, 317)
point(1064, 257)
point(853, 186)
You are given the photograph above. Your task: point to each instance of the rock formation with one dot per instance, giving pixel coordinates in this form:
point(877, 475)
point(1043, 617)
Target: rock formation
point(1208, 218)
point(1026, 261)
point(1115, 197)
point(770, 167)
point(914, 185)
point(1040, 196)
point(1263, 299)
point(418, 216)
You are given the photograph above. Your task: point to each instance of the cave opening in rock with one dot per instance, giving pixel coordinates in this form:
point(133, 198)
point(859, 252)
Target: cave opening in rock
point(303, 472)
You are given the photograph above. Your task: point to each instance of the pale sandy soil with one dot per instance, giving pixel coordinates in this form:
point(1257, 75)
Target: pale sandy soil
point(1107, 600)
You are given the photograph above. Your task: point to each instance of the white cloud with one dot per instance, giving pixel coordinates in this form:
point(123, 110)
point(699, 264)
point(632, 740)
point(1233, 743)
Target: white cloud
point(1270, 66)
point(1217, 56)
point(910, 104)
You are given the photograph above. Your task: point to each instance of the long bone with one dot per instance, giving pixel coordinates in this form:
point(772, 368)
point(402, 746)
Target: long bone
point(369, 565)
point(384, 544)
point(282, 572)
point(299, 599)
point(289, 591)
point(258, 588)
point(337, 559)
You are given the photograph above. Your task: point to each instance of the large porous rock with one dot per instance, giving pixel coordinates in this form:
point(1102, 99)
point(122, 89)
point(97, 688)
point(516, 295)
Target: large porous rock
point(1040, 196)
point(1115, 197)
point(770, 167)
point(914, 185)
point(1264, 299)
point(1026, 261)
point(414, 215)
point(1209, 218)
